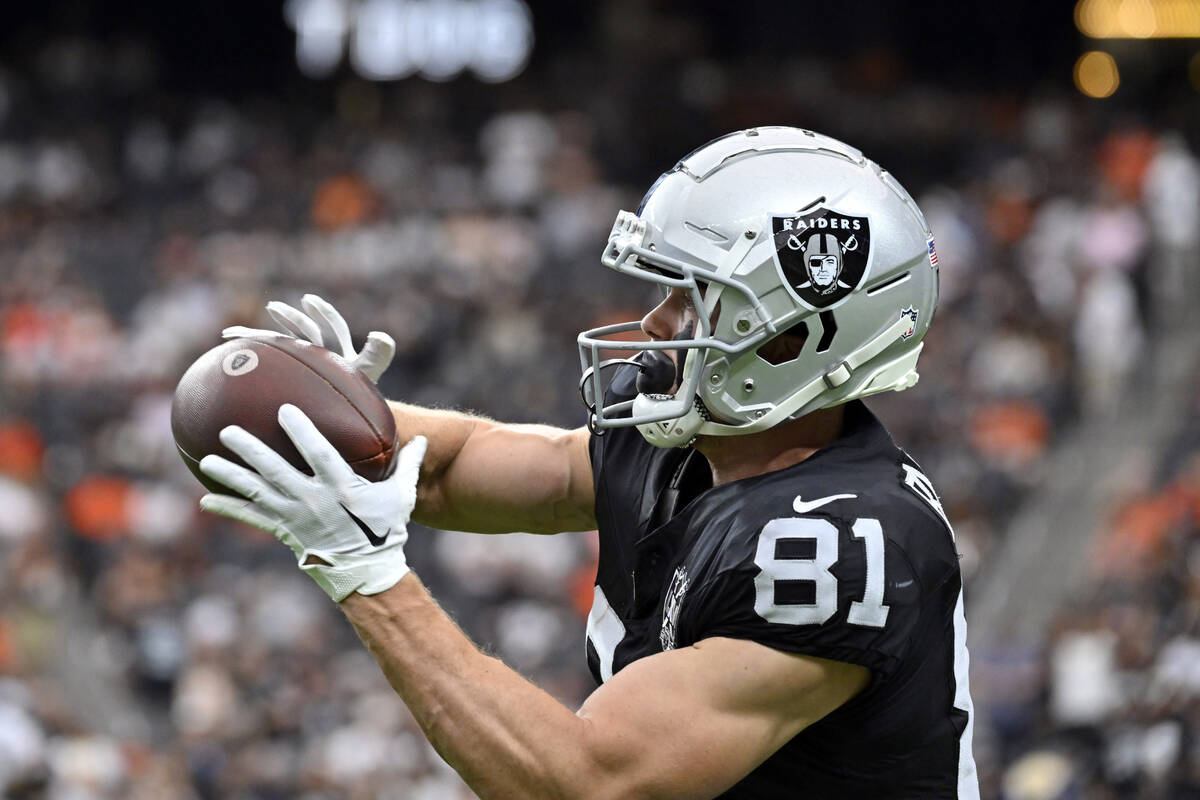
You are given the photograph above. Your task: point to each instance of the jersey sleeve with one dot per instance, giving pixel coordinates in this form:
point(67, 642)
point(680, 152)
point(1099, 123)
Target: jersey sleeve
point(817, 585)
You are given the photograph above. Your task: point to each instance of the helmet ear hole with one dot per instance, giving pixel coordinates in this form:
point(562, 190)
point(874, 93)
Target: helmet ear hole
point(785, 347)
point(829, 328)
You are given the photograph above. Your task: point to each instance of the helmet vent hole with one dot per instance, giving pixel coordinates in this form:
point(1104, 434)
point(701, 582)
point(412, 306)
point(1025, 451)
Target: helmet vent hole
point(829, 328)
point(709, 233)
point(888, 284)
point(785, 347)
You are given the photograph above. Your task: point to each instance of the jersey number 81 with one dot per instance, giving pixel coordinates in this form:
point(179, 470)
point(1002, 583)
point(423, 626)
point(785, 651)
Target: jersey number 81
point(870, 611)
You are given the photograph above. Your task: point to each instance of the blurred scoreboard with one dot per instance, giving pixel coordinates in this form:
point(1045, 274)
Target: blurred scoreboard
point(393, 39)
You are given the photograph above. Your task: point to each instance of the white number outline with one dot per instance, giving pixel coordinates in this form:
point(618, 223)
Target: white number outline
point(869, 612)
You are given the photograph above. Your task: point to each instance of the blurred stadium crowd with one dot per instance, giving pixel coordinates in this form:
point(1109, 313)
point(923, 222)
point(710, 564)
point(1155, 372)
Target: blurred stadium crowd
point(1109, 707)
point(149, 652)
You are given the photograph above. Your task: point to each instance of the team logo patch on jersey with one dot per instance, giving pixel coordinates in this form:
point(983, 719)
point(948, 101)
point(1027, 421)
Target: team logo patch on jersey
point(911, 314)
point(671, 606)
point(824, 254)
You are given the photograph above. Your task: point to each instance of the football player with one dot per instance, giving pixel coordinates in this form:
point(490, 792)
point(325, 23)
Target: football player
point(778, 608)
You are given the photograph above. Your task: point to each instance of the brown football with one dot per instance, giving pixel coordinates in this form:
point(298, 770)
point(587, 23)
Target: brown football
point(245, 381)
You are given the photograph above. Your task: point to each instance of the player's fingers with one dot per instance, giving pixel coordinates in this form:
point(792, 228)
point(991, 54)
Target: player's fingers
point(295, 322)
point(269, 464)
point(376, 354)
point(408, 463)
point(326, 462)
point(242, 332)
point(245, 482)
point(240, 510)
point(332, 324)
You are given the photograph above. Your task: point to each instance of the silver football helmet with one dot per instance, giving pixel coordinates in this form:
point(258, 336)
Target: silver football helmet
point(770, 230)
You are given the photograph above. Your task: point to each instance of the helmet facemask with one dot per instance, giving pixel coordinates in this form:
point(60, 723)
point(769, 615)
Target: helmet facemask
point(668, 419)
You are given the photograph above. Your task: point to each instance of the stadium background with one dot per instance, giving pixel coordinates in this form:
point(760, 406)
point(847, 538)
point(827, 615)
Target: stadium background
point(166, 168)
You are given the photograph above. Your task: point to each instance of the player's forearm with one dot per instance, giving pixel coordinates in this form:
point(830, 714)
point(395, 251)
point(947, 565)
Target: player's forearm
point(483, 476)
point(503, 735)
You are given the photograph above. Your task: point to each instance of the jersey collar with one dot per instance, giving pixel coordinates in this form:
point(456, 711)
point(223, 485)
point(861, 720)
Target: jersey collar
point(862, 433)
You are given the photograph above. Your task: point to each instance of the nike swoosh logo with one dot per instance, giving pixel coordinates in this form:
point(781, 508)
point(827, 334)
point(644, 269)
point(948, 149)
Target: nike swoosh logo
point(803, 507)
point(376, 541)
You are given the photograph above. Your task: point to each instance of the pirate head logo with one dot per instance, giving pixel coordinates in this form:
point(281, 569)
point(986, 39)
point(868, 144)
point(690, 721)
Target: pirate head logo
point(671, 605)
point(823, 253)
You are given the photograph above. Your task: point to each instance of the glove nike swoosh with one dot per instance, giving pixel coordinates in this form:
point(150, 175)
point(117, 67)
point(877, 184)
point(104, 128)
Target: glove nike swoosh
point(804, 506)
point(375, 541)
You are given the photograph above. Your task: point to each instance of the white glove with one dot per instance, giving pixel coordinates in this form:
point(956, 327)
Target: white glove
point(355, 526)
point(323, 326)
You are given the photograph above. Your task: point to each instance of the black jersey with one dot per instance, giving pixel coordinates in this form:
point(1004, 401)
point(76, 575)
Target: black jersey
point(846, 556)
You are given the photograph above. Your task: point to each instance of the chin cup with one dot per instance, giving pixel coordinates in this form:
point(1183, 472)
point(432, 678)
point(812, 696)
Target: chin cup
point(677, 432)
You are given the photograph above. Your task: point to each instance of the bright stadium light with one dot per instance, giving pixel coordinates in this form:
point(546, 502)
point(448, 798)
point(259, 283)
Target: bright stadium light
point(1096, 74)
point(393, 39)
point(1138, 19)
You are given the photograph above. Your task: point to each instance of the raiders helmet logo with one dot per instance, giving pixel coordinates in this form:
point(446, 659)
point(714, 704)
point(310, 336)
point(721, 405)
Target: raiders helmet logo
point(822, 253)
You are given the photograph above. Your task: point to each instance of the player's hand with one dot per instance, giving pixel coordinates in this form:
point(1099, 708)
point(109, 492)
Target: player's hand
point(348, 533)
point(321, 324)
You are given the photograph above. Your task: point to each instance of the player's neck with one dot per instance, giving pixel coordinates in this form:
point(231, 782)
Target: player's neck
point(732, 458)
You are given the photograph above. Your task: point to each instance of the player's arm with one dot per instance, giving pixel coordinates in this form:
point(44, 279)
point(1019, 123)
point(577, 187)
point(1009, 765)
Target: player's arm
point(483, 476)
point(687, 723)
point(478, 475)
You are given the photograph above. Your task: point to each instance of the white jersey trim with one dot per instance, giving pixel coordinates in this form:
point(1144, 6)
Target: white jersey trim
point(968, 776)
point(605, 631)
